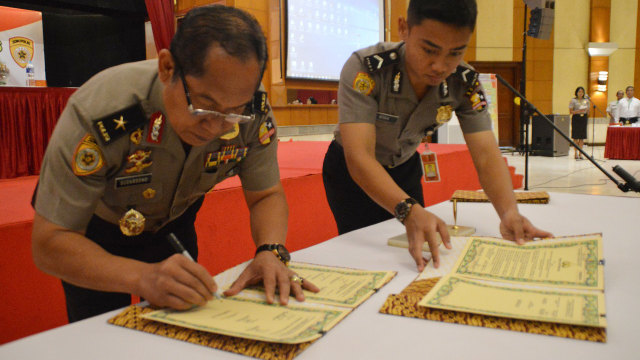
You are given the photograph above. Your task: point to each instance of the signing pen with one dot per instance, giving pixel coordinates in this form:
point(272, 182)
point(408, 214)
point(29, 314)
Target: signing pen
point(177, 245)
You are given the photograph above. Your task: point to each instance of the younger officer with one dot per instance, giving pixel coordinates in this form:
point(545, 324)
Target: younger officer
point(132, 156)
point(390, 96)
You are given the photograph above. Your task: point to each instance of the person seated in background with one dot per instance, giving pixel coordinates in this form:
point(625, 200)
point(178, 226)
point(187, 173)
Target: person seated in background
point(390, 96)
point(613, 110)
point(311, 100)
point(629, 107)
point(132, 156)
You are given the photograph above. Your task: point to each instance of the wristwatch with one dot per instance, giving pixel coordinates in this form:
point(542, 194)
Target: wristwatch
point(278, 250)
point(403, 208)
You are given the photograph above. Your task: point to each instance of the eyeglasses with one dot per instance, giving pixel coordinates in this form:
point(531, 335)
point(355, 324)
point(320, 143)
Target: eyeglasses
point(232, 118)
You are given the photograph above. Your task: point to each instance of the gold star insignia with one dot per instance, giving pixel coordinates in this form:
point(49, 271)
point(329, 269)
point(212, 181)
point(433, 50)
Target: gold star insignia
point(120, 123)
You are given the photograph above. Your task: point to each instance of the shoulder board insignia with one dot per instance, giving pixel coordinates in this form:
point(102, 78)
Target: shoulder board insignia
point(377, 61)
point(469, 77)
point(87, 159)
point(260, 102)
point(112, 127)
point(396, 84)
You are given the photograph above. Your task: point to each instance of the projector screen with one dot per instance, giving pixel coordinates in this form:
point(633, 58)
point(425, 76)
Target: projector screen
point(322, 34)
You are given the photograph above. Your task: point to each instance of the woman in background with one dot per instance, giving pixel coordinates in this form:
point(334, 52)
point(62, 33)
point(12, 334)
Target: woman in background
point(579, 110)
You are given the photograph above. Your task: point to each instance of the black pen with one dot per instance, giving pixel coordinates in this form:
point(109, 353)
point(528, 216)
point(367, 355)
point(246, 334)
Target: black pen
point(177, 245)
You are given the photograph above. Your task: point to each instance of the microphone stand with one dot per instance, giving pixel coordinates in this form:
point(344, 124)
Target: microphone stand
point(593, 125)
point(631, 184)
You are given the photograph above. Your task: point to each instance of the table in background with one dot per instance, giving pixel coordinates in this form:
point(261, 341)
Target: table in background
point(27, 118)
point(367, 334)
point(623, 142)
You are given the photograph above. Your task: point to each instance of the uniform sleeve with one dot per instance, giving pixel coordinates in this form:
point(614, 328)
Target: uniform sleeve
point(64, 197)
point(472, 111)
point(357, 92)
point(259, 171)
point(572, 104)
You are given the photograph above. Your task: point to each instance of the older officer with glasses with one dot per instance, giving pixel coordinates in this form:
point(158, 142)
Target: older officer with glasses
point(132, 156)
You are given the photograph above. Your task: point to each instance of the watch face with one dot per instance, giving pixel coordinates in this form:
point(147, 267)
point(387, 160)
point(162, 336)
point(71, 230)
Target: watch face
point(284, 253)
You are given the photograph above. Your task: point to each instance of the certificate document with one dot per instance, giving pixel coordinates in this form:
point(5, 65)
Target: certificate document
point(341, 286)
point(247, 315)
point(572, 262)
point(253, 319)
point(464, 294)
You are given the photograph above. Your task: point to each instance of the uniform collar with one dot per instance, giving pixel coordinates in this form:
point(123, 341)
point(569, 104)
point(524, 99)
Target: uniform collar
point(406, 90)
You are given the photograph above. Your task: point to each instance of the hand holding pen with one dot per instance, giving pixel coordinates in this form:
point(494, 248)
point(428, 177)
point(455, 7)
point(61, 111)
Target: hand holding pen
point(179, 248)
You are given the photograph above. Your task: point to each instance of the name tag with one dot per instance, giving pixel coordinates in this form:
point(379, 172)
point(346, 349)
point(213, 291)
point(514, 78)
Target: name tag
point(386, 117)
point(132, 180)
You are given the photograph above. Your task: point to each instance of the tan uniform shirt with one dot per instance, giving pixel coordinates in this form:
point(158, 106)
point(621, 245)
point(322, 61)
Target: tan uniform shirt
point(381, 94)
point(98, 163)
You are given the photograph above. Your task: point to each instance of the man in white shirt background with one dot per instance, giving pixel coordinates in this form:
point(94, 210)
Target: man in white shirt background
point(629, 108)
point(613, 110)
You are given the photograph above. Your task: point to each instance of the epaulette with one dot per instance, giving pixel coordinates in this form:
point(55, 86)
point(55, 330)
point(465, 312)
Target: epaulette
point(260, 103)
point(114, 126)
point(377, 61)
point(469, 77)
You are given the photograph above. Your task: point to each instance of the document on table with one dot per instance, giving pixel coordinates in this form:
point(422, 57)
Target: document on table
point(572, 262)
point(338, 286)
point(468, 295)
point(247, 315)
point(253, 319)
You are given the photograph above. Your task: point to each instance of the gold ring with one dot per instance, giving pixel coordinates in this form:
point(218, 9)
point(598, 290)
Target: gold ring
point(297, 279)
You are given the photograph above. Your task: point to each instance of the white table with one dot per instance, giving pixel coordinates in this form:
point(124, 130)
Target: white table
point(367, 334)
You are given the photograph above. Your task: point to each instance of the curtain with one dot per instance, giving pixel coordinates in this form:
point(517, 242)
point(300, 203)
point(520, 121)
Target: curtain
point(27, 119)
point(162, 20)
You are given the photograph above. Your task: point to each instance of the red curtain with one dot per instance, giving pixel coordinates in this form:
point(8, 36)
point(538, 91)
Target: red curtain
point(162, 20)
point(27, 119)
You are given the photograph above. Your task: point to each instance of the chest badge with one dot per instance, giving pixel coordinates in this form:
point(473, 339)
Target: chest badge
point(227, 154)
point(139, 160)
point(231, 134)
point(445, 112)
point(149, 193)
point(132, 223)
point(136, 136)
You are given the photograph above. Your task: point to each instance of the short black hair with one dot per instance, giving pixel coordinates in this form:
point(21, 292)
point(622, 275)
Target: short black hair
point(578, 89)
point(629, 87)
point(235, 30)
point(459, 13)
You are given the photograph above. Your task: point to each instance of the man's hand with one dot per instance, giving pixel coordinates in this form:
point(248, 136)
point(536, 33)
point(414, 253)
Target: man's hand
point(423, 226)
point(176, 282)
point(515, 227)
point(266, 267)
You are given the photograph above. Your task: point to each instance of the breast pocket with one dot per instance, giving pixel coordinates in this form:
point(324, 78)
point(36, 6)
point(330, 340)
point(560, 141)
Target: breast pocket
point(135, 195)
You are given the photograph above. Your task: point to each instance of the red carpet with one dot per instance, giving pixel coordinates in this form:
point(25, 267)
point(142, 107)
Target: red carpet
point(222, 226)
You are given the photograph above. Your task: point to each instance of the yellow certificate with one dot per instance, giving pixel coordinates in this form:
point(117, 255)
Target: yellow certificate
point(253, 319)
point(467, 295)
point(341, 286)
point(338, 286)
point(573, 262)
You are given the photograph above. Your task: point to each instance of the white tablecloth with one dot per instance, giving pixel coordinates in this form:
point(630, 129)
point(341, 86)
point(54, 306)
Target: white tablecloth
point(367, 334)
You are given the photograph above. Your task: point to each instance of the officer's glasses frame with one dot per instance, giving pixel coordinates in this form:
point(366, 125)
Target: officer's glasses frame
point(232, 118)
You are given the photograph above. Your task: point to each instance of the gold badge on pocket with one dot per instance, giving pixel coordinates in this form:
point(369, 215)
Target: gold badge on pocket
point(132, 223)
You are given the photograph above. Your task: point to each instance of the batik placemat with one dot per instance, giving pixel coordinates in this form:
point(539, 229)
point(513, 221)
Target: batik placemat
point(533, 197)
point(406, 304)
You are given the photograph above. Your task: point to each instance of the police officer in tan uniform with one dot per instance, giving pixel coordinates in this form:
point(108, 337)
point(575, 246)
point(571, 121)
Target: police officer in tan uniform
point(134, 153)
point(390, 96)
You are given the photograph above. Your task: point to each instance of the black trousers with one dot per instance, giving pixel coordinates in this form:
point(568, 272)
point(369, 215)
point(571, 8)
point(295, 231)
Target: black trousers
point(352, 208)
point(149, 247)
